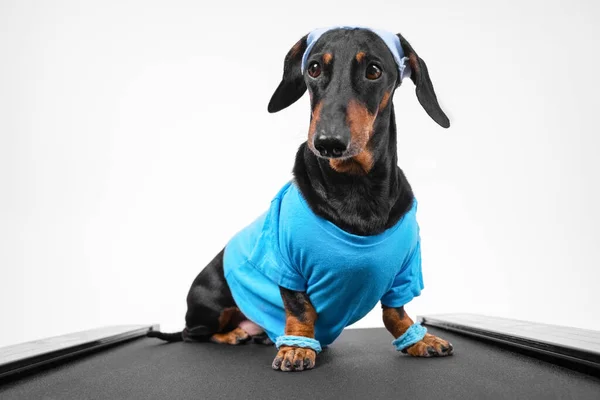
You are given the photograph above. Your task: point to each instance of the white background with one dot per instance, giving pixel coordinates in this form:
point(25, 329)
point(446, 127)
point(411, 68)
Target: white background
point(134, 141)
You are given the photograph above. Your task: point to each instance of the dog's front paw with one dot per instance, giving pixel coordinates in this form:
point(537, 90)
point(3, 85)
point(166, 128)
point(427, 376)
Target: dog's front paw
point(430, 346)
point(294, 359)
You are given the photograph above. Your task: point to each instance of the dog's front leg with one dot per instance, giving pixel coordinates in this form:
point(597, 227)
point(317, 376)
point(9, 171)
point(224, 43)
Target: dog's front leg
point(300, 317)
point(397, 323)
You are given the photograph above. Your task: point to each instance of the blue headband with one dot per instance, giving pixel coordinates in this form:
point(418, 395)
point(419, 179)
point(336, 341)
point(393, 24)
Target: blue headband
point(391, 41)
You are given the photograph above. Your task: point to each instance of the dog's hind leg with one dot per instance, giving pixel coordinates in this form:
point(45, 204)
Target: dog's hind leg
point(212, 314)
point(235, 329)
point(209, 305)
point(229, 331)
point(211, 308)
point(234, 337)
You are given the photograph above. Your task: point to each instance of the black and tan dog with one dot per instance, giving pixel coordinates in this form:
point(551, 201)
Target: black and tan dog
point(346, 171)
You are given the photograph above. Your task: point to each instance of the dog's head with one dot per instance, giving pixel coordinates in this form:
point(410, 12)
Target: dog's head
point(351, 75)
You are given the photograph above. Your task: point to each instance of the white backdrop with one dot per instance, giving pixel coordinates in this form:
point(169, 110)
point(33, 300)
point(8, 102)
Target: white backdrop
point(134, 141)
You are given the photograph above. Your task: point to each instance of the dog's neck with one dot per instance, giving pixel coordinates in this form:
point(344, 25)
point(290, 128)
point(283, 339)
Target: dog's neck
point(365, 203)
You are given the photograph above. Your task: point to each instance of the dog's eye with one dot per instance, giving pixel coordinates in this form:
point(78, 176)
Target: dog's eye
point(373, 72)
point(314, 69)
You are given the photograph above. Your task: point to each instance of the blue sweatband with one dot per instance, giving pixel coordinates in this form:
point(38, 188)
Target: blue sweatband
point(298, 341)
point(413, 334)
point(391, 40)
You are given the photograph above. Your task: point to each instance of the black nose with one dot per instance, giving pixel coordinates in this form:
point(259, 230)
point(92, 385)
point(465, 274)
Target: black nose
point(329, 146)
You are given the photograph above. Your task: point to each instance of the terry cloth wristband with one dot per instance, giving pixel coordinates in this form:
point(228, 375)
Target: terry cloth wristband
point(298, 341)
point(413, 334)
point(391, 40)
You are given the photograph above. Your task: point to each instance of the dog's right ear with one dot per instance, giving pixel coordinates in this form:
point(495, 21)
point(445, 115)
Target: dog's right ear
point(292, 85)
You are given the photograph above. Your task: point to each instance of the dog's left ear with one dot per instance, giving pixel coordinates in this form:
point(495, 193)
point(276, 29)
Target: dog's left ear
point(424, 87)
point(292, 85)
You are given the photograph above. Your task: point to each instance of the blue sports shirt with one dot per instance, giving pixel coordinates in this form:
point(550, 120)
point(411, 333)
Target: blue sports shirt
point(344, 275)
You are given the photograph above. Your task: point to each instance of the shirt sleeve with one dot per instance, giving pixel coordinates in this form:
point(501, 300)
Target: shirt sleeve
point(271, 254)
point(267, 259)
point(290, 278)
point(408, 283)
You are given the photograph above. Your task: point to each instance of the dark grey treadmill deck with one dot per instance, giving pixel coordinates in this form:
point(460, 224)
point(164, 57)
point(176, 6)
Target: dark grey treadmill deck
point(579, 348)
point(34, 355)
point(362, 364)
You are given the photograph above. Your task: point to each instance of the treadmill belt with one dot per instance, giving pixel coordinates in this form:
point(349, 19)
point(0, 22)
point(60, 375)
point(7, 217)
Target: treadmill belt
point(361, 364)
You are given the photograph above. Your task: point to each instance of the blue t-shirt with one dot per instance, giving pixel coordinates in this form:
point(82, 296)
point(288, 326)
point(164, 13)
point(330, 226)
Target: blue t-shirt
point(344, 275)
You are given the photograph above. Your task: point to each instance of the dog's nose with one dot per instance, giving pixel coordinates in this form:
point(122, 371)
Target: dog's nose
point(329, 146)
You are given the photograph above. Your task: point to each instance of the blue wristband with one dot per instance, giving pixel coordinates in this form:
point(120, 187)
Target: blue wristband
point(413, 334)
point(298, 341)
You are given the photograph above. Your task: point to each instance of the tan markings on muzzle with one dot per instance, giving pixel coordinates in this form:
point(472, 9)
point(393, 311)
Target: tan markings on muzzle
point(327, 58)
point(384, 101)
point(360, 121)
point(316, 115)
point(358, 165)
point(360, 55)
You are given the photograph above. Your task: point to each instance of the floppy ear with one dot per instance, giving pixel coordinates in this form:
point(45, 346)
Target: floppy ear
point(424, 87)
point(292, 85)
